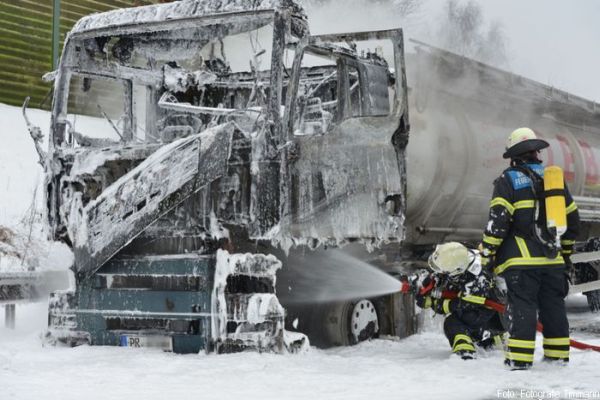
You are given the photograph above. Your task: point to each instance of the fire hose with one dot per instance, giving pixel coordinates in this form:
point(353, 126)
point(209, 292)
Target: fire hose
point(494, 305)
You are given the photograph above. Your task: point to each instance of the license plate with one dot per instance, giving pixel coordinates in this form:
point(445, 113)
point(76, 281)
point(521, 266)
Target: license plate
point(161, 342)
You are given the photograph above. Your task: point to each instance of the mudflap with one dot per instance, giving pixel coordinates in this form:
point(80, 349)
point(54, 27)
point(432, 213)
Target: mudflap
point(246, 313)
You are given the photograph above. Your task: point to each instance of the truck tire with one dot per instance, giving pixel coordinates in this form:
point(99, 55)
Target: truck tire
point(351, 322)
point(588, 272)
point(593, 300)
point(336, 324)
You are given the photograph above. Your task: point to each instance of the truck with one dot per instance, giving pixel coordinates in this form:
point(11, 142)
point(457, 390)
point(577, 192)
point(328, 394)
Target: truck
point(200, 148)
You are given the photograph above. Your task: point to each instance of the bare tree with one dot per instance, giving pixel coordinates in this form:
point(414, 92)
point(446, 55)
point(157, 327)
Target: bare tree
point(495, 45)
point(463, 31)
point(408, 7)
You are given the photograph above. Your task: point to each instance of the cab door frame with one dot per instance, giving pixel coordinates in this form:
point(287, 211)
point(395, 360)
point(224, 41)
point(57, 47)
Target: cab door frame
point(306, 149)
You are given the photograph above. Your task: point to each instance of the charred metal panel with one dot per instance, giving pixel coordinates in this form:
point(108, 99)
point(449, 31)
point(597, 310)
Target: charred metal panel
point(141, 324)
point(151, 282)
point(150, 190)
point(133, 301)
point(140, 296)
point(173, 264)
point(153, 18)
point(265, 206)
point(358, 171)
point(249, 315)
point(346, 179)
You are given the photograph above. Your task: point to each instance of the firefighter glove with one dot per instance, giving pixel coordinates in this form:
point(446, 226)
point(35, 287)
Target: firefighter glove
point(424, 301)
point(487, 259)
point(426, 286)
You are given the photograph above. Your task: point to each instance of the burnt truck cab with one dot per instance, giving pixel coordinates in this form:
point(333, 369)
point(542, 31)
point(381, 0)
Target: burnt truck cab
point(190, 141)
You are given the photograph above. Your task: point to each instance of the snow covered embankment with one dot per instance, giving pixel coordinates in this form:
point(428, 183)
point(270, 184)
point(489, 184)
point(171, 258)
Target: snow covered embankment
point(23, 242)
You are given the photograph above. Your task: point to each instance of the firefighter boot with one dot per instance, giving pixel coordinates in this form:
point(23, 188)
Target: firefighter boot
point(519, 353)
point(466, 354)
point(517, 365)
point(463, 346)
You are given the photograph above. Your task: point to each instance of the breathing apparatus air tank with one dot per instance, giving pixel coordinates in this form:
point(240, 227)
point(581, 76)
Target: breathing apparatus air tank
point(554, 194)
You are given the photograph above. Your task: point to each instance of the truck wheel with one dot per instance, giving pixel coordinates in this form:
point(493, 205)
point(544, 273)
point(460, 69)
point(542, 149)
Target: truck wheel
point(348, 323)
point(593, 300)
point(585, 272)
point(588, 272)
point(364, 323)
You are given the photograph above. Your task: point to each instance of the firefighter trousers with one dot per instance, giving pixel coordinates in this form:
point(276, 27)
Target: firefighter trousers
point(531, 293)
point(464, 329)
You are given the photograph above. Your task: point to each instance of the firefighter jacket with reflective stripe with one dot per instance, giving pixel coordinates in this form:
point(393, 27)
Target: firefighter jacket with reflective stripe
point(469, 307)
point(509, 235)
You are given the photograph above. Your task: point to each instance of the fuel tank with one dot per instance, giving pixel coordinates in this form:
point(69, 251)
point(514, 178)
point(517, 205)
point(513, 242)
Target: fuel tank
point(462, 112)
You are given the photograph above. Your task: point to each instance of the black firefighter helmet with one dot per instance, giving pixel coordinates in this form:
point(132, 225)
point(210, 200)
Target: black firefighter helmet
point(521, 141)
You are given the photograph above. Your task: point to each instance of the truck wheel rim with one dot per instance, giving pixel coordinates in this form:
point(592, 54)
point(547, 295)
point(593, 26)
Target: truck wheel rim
point(364, 323)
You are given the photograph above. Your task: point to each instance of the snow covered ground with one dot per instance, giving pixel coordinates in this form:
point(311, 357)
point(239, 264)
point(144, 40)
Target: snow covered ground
point(419, 367)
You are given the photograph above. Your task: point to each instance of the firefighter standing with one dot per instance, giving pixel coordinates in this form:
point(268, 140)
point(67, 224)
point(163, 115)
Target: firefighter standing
point(468, 321)
point(519, 247)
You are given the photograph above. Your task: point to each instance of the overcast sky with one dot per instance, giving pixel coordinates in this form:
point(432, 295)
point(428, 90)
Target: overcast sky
point(556, 42)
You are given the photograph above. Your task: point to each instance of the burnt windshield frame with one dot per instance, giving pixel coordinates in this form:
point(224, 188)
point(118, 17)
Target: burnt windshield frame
point(74, 47)
point(323, 46)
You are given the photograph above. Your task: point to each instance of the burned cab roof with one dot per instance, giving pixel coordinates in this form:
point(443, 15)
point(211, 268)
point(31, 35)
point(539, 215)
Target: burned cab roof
point(137, 19)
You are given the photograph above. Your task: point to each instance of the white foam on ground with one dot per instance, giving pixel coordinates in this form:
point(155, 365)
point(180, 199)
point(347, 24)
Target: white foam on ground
point(419, 367)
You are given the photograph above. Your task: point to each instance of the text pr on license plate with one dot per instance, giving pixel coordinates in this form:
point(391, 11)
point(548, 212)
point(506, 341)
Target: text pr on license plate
point(161, 342)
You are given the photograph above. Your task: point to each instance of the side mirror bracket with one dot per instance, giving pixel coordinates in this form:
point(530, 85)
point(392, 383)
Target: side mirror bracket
point(36, 134)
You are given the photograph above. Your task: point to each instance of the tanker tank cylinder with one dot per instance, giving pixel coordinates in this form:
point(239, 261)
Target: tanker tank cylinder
point(449, 172)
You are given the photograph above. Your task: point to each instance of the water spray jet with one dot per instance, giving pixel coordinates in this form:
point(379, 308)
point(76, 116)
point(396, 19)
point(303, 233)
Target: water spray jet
point(333, 275)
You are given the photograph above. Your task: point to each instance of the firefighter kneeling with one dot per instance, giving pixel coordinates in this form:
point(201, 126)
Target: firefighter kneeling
point(468, 321)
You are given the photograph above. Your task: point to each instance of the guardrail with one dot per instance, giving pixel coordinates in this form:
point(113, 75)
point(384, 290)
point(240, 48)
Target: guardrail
point(27, 286)
point(16, 287)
